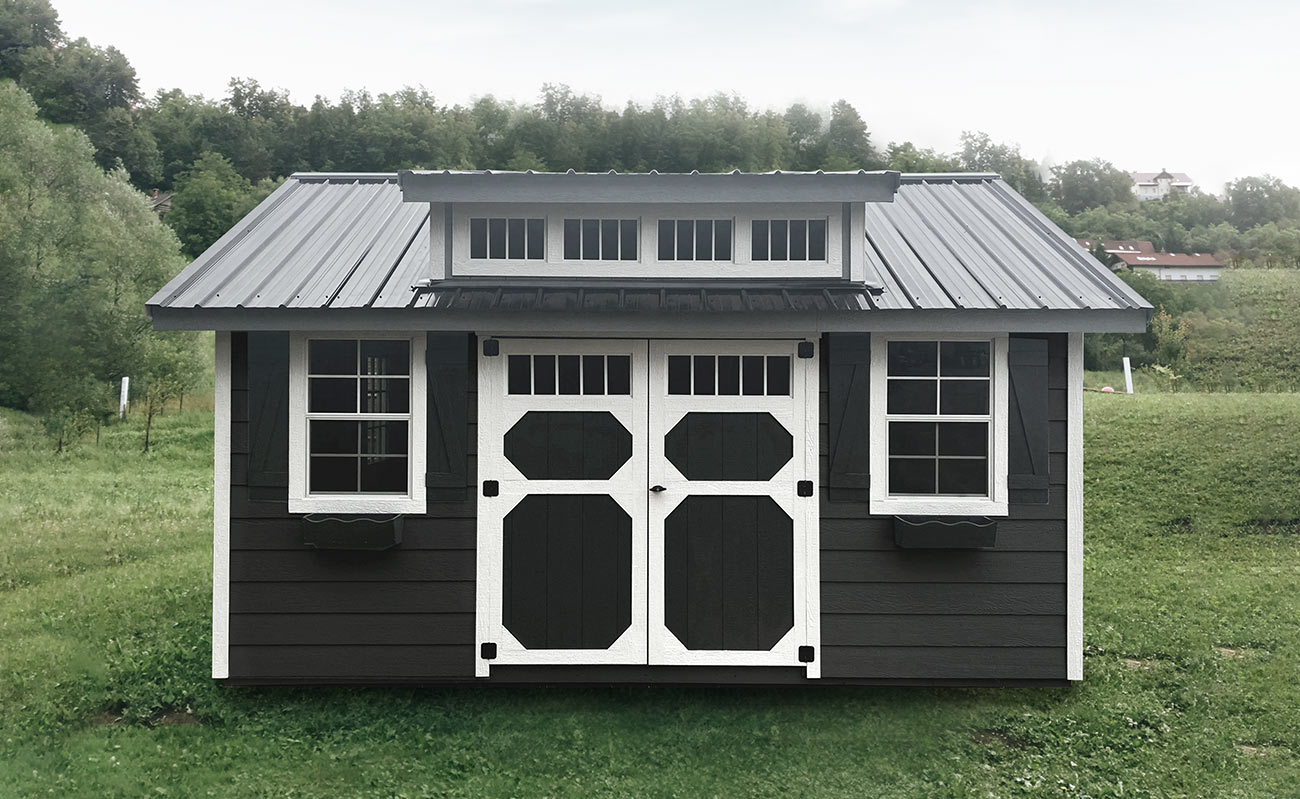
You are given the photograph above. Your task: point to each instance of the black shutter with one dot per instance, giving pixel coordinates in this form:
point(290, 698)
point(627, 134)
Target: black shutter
point(1028, 428)
point(849, 392)
point(447, 358)
point(268, 415)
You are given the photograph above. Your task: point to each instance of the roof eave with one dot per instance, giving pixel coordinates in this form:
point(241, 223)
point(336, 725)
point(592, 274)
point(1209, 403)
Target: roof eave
point(653, 187)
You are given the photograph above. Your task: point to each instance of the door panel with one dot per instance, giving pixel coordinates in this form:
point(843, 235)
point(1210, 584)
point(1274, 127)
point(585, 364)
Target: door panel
point(562, 548)
point(733, 550)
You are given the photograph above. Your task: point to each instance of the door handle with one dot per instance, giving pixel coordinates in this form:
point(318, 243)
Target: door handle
point(657, 489)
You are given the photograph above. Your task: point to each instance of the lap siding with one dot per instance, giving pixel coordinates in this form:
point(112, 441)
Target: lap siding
point(299, 614)
point(938, 615)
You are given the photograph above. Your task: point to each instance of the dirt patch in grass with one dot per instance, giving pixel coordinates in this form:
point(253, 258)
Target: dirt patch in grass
point(1236, 653)
point(1256, 750)
point(105, 718)
point(1139, 665)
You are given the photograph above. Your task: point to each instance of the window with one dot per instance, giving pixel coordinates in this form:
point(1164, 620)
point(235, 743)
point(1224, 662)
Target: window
point(569, 374)
point(356, 438)
point(600, 239)
point(695, 239)
point(938, 428)
point(729, 375)
point(789, 240)
point(501, 238)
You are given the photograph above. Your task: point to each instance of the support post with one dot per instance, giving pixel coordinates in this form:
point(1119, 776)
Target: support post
point(121, 403)
point(1128, 376)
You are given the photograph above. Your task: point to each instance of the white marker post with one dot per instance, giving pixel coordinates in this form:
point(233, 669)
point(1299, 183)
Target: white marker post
point(1128, 376)
point(121, 403)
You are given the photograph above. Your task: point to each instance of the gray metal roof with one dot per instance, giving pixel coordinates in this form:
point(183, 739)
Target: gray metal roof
point(349, 242)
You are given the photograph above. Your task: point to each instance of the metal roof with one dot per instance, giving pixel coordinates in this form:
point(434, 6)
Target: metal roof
point(348, 241)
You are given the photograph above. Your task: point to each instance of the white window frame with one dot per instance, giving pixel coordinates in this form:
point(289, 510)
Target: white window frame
point(300, 500)
point(884, 503)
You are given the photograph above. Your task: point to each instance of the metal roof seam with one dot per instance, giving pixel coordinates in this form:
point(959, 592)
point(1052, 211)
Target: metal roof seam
point(910, 296)
point(971, 220)
point(205, 262)
point(1049, 275)
point(1091, 268)
point(928, 269)
point(415, 234)
point(930, 222)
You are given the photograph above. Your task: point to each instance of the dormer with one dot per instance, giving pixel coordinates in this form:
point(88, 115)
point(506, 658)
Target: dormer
point(778, 225)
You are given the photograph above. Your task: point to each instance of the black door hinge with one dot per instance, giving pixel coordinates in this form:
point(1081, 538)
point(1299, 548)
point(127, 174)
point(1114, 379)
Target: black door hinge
point(805, 349)
point(806, 654)
point(491, 488)
point(487, 651)
point(805, 488)
point(491, 347)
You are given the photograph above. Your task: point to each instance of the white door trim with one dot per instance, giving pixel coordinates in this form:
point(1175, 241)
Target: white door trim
point(795, 413)
point(498, 412)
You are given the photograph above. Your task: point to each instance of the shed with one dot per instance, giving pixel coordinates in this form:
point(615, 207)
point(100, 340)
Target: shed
point(529, 427)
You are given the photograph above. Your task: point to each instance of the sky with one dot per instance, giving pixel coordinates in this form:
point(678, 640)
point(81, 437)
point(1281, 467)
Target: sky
point(1198, 87)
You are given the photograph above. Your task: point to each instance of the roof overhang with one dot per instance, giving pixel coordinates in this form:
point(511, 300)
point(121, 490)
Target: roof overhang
point(652, 187)
point(740, 324)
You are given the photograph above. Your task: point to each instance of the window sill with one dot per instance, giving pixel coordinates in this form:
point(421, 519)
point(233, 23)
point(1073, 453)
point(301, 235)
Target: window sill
point(357, 504)
point(937, 506)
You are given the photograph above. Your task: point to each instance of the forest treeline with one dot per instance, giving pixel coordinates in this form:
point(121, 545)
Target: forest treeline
point(81, 147)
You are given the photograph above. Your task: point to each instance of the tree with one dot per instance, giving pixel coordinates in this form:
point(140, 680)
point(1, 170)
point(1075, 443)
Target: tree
point(1080, 185)
point(80, 252)
point(210, 198)
point(1255, 201)
point(848, 144)
point(24, 25)
point(906, 157)
point(980, 154)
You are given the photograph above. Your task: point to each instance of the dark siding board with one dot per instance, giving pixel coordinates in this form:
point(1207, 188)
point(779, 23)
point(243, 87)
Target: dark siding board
point(877, 533)
point(943, 630)
point(419, 533)
point(352, 662)
point(968, 663)
point(346, 566)
point(966, 599)
point(239, 438)
point(941, 566)
point(351, 629)
point(352, 597)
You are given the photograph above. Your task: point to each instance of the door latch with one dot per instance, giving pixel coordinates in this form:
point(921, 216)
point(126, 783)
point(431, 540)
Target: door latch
point(658, 489)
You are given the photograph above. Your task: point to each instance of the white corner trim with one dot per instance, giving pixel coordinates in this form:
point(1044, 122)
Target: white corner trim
point(221, 510)
point(880, 502)
point(300, 501)
point(1074, 512)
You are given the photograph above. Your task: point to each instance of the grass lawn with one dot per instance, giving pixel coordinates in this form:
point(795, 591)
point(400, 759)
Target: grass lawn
point(1192, 686)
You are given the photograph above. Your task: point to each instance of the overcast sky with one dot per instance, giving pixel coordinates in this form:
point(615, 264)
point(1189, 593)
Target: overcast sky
point(1209, 89)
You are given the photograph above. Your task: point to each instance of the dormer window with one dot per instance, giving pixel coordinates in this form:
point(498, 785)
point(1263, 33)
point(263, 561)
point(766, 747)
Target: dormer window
point(507, 238)
point(695, 239)
point(600, 239)
point(789, 240)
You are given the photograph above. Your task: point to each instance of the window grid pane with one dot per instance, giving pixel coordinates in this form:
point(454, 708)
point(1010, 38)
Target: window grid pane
point(507, 238)
point(361, 454)
point(949, 382)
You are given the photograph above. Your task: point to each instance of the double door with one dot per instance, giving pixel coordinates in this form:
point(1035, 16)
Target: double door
point(642, 503)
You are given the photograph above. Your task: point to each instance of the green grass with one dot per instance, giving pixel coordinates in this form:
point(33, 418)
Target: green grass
point(1192, 654)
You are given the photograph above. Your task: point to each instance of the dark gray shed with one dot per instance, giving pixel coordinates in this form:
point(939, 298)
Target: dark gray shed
point(526, 427)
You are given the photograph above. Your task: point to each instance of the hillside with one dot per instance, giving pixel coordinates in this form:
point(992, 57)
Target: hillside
point(1192, 624)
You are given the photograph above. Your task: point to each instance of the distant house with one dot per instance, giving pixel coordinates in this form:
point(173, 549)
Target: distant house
point(160, 202)
point(1113, 249)
point(1158, 185)
point(1182, 266)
